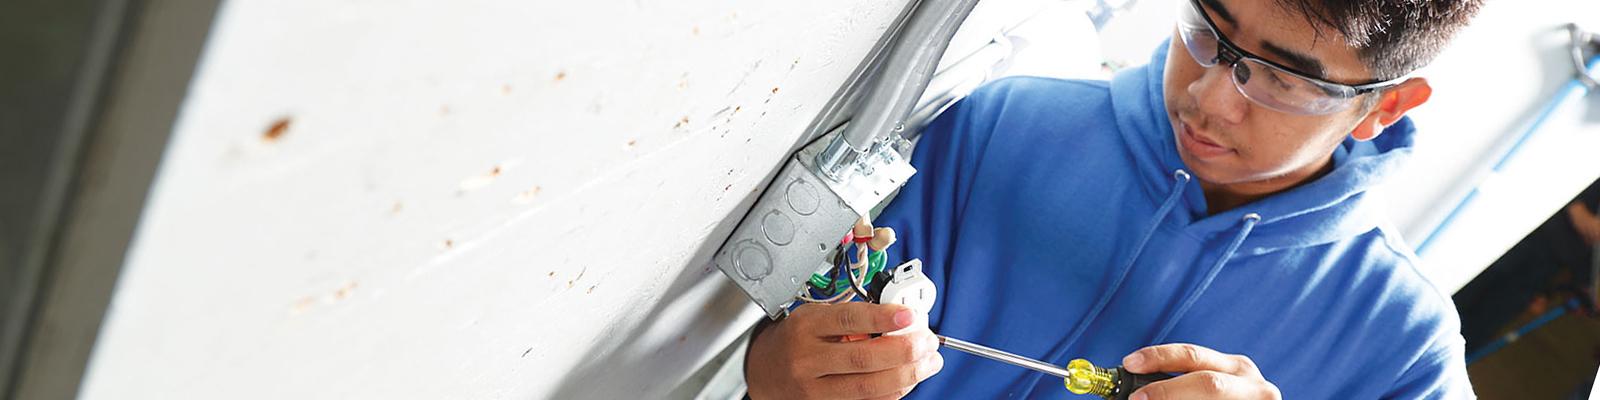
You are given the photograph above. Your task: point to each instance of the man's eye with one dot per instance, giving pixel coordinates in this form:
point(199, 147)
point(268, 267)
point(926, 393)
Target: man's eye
point(1277, 80)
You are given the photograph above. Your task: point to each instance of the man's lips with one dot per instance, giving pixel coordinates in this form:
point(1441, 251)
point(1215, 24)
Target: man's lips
point(1199, 145)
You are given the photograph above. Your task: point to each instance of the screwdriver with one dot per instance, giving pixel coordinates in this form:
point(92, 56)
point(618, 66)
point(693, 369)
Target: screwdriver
point(1080, 376)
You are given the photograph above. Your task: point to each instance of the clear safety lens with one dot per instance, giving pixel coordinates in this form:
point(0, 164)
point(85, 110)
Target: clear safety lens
point(1263, 83)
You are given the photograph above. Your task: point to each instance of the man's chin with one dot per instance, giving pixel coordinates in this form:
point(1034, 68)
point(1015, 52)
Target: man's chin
point(1200, 170)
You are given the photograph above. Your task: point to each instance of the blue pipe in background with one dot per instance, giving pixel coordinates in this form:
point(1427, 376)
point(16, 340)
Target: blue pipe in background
point(1575, 86)
point(1503, 341)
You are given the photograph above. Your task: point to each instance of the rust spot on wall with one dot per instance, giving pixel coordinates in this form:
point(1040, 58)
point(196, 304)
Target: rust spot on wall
point(561, 75)
point(345, 291)
point(396, 208)
point(505, 89)
point(591, 289)
point(276, 130)
point(574, 281)
point(774, 90)
point(449, 243)
point(681, 122)
point(480, 181)
point(526, 197)
point(303, 304)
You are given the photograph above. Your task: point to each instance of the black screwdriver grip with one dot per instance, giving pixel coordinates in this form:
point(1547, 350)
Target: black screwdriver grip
point(1128, 382)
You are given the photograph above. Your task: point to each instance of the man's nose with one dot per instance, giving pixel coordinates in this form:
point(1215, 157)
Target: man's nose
point(1217, 97)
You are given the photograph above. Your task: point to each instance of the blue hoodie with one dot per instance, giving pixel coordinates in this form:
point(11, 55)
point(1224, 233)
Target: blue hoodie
point(1058, 222)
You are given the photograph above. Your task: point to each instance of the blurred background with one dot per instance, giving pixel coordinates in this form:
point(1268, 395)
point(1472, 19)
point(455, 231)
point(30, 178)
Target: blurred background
point(489, 199)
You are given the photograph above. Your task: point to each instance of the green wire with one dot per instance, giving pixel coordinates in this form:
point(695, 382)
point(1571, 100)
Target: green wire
point(876, 260)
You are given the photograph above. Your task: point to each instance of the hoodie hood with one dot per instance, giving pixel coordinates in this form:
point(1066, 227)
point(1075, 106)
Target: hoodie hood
point(1333, 207)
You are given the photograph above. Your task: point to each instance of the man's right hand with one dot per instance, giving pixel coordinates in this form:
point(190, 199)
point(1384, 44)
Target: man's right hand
point(805, 357)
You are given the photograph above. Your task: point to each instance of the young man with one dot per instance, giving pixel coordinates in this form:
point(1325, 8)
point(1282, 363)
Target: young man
point(1207, 215)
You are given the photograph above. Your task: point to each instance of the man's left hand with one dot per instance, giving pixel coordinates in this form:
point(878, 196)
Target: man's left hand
point(1206, 374)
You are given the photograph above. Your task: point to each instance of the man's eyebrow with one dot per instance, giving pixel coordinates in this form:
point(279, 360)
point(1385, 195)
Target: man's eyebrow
point(1222, 11)
point(1302, 63)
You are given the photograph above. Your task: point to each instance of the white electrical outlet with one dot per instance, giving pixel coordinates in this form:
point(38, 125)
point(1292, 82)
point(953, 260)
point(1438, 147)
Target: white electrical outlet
point(911, 288)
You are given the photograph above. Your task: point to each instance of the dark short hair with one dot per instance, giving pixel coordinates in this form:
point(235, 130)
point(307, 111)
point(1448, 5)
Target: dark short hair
point(1393, 37)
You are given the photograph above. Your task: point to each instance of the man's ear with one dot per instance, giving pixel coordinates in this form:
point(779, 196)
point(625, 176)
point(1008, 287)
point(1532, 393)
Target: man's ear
point(1392, 104)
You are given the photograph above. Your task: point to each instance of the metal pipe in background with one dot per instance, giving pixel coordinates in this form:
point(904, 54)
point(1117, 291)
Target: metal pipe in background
point(897, 86)
point(844, 103)
point(955, 82)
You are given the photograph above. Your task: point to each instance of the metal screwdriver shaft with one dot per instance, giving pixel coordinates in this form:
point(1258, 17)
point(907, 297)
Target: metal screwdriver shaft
point(1080, 376)
point(1002, 356)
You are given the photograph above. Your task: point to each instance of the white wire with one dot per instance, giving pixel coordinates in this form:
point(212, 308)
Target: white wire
point(862, 263)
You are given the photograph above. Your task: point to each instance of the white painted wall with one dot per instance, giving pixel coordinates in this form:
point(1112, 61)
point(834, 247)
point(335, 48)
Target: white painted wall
point(471, 199)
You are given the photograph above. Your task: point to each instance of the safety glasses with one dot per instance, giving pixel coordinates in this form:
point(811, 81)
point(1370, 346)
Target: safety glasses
point(1267, 83)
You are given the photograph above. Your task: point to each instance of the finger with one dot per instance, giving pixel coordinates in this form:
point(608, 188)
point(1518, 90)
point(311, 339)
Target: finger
point(890, 382)
point(1207, 385)
point(828, 320)
point(1184, 357)
point(876, 354)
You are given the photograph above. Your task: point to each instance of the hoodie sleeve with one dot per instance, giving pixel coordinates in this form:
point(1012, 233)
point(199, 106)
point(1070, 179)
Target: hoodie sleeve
point(1441, 373)
point(926, 214)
